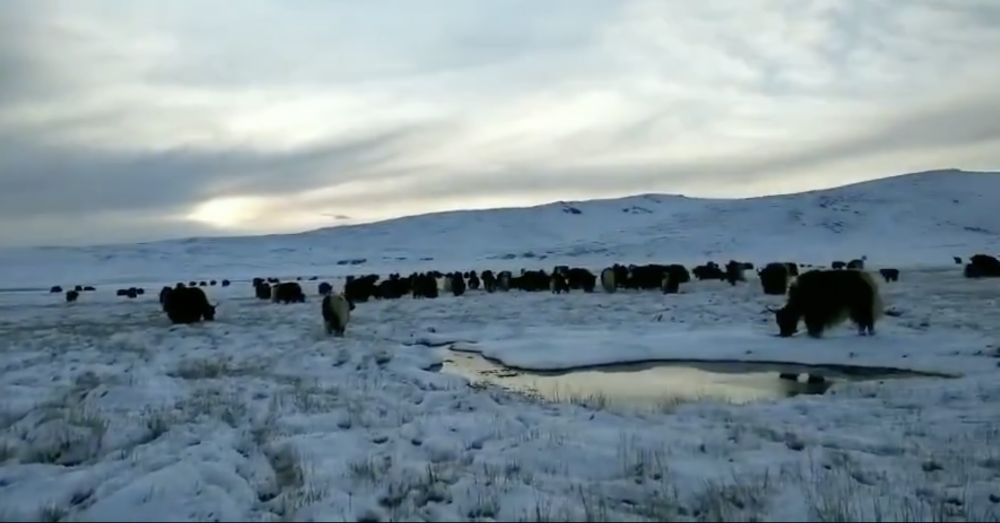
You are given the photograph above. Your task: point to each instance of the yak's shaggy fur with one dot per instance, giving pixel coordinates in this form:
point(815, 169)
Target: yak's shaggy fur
point(287, 292)
point(825, 298)
point(336, 314)
point(188, 305)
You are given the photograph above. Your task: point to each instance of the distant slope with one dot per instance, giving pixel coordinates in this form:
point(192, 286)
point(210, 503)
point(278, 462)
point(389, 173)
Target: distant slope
point(923, 217)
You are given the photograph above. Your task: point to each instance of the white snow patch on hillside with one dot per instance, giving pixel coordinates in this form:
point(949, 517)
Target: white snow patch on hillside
point(917, 218)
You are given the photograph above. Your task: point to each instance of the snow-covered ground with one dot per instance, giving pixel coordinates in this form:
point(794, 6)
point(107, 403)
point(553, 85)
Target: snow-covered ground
point(110, 414)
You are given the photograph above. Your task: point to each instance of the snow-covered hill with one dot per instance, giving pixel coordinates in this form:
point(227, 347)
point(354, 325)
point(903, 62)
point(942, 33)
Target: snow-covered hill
point(923, 216)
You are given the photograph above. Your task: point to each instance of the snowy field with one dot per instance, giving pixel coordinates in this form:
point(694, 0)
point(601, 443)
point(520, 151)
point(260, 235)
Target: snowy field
point(111, 414)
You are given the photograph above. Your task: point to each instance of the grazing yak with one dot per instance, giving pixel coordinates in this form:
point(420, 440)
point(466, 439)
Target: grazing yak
point(774, 278)
point(889, 275)
point(825, 298)
point(336, 313)
point(72, 296)
point(188, 305)
point(225, 283)
point(288, 292)
point(56, 289)
point(982, 266)
point(734, 272)
point(489, 281)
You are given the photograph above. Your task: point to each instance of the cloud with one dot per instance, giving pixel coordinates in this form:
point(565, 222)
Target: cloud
point(124, 120)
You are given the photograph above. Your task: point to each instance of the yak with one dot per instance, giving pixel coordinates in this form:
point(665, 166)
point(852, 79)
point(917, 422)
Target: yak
point(288, 292)
point(825, 298)
point(188, 305)
point(263, 291)
point(774, 278)
point(889, 275)
point(458, 285)
point(982, 266)
point(71, 296)
point(336, 313)
point(324, 288)
point(56, 289)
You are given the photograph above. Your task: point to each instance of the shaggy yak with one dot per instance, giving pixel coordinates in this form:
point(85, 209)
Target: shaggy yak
point(71, 296)
point(336, 314)
point(889, 274)
point(188, 305)
point(774, 278)
point(982, 265)
point(324, 288)
point(288, 292)
point(825, 298)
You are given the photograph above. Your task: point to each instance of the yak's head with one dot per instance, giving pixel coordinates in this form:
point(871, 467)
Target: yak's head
point(787, 319)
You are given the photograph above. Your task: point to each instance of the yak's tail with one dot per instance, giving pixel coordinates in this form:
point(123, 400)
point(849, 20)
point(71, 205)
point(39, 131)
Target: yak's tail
point(878, 307)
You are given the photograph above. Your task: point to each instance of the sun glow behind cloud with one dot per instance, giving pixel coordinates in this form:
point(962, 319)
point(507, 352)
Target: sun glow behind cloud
point(275, 116)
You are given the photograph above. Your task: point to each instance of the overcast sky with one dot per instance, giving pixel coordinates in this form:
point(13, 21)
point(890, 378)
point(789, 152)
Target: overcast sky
point(124, 120)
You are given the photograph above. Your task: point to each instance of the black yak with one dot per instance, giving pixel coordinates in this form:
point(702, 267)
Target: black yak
point(889, 274)
point(225, 283)
point(212, 283)
point(263, 291)
point(336, 313)
point(55, 289)
point(71, 296)
point(324, 288)
point(838, 265)
point(559, 284)
point(489, 281)
point(288, 292)
point(188, 305)
point(458, 285)
point(825, 298)
point(203, 283)
point(856, 264)
point(774, 278)
point(78, 288)
point(89, 288)
point(982, 266)
point(958, 261)
point(734, 272)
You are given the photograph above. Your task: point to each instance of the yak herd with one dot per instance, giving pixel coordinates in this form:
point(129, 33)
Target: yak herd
point(819, 297)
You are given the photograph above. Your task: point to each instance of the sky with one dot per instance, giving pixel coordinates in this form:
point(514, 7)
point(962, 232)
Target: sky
point(138, 120)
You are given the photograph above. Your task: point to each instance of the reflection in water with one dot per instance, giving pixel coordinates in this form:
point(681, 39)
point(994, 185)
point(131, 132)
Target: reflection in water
point(651, 386)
